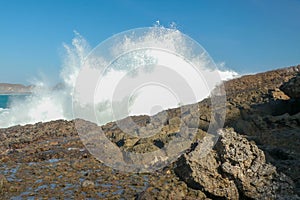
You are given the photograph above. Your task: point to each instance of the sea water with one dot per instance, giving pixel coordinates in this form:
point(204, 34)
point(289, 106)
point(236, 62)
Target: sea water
point(4, 101)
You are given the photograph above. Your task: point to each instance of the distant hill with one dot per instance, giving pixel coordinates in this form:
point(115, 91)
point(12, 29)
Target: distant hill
point(7, 88)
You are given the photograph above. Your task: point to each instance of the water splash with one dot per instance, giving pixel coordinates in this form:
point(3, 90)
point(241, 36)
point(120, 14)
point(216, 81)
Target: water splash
point(46, 103)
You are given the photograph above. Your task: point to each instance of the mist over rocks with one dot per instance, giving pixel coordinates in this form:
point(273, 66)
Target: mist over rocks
point(257, 158)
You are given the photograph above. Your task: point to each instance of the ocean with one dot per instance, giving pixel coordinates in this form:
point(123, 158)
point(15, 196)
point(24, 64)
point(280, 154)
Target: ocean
point(6, 99)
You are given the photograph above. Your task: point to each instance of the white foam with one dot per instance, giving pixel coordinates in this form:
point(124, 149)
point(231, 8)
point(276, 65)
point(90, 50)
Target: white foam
point(46, 104)
point(3, 110)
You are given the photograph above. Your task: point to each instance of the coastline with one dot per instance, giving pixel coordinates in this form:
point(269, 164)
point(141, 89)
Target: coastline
point(50, 158)
point(15, 94)
point(10, 88)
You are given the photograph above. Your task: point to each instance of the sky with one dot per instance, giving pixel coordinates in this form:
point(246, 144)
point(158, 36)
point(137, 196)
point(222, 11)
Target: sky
point(246, 36)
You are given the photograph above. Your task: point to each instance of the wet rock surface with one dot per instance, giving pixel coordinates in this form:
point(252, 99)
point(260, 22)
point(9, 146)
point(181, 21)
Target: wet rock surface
point(259, 159)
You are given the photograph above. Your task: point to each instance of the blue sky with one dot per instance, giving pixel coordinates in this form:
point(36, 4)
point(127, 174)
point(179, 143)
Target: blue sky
point(249, 36)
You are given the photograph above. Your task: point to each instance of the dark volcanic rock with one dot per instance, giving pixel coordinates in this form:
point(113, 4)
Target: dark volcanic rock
point(292, 87)
point(235, 169)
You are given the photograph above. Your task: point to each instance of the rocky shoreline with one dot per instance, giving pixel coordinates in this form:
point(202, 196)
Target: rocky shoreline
point(257, 155)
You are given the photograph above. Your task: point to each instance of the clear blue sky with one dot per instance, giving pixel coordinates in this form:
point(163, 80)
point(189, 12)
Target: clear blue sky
point(248, 35)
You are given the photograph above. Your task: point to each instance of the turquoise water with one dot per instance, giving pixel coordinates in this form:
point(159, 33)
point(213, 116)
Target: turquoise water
point(6, 99)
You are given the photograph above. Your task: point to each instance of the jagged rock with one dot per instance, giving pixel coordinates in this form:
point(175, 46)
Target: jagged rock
point(277, 94)
point(292, 87)
point(236, 168)
point(49, 159)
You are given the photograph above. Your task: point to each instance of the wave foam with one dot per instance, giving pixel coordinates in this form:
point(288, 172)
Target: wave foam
point(46, 104)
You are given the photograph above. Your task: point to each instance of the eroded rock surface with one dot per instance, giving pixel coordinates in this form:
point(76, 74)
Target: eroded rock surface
point(47, 160)
point(292, 87)
point(236, 168)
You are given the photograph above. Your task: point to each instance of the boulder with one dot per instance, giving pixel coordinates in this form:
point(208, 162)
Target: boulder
point(235, 168)
point(292, 87)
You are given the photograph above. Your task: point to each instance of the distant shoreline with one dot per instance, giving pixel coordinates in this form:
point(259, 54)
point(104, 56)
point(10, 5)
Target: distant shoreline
point(16, 94)
point(15, 89)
